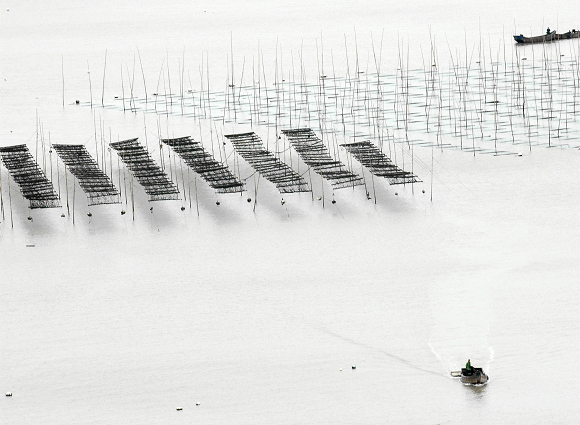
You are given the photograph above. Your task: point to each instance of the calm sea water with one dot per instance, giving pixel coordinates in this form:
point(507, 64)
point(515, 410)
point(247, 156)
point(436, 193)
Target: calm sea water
point(261, 317)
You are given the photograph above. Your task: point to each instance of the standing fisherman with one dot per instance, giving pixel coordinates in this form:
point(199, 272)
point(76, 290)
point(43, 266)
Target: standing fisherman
point(468, 364)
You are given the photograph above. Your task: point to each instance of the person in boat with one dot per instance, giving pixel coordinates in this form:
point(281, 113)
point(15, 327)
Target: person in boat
point(548, 31)
point(468, 365)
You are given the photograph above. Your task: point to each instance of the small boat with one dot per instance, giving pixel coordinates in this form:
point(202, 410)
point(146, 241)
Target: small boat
point(569, 34)
point(473, 376)
point(549, 36)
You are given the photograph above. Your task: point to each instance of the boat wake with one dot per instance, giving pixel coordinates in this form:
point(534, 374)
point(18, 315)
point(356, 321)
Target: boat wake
point(378, 350)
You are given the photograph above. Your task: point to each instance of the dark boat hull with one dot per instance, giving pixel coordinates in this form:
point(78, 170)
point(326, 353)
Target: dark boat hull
point(474, 376)
point(569, 34)
point(546, 38)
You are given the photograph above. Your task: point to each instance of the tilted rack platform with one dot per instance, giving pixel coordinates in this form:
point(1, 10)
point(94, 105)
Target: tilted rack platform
point(149, 175)
point(251, 148)
point(96, 184)
point(34, 185)
point(378, 163)
point(216, 174)
point(313, 152)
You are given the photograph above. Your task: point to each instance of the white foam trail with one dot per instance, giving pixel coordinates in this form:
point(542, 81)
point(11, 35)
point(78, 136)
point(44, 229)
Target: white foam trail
point(491, 356)
point(447, 367)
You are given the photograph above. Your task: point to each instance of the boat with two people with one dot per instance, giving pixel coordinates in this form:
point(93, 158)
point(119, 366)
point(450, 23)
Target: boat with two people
point(471, 375)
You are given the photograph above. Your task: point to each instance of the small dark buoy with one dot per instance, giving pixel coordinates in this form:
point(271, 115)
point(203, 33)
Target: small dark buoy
point(396, 193)
point(77, 101)
point(423, 191)
point(224, 143)
point(122, 212)
point(353, 367)
point(217, 202)
point(151, 209)
point(116, 97)
point(198, 403)
point(29, 218)
point(334, 201)
point(320, 198)
point(90, 214)
point(62, 215)
point(182, 208)
point(249, 199)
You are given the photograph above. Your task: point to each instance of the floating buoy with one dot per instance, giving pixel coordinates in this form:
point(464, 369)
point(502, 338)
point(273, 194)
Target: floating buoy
point(249, 199)
point(8, 394)
point(182, 208)
point(520, 154)
point(198, 403)
point(423, 191)
point(77, 101)
point(122, 212)
point(353, 367)
point(151, 209)
point(179, 408)
point(320, 198)
point(396, 193)
point(334, 201)
point(62, 215)
point(30, 218)
point(90, 214)
point(340, 369)
point(217, 202)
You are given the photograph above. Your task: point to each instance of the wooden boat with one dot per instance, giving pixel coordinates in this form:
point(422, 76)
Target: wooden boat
point(473, 376)
point(569, 34)
point(537, 39)
point(551, 36)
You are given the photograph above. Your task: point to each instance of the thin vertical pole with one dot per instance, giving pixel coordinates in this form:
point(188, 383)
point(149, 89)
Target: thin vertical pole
point(90, 84)
point(104, 71)
point(10, 200)
point(62, 72)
